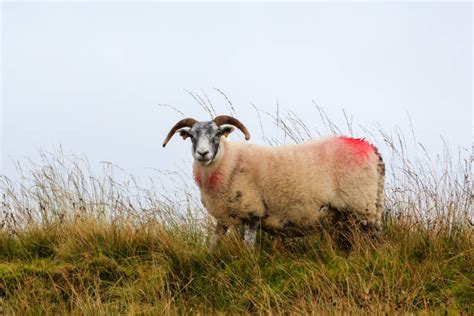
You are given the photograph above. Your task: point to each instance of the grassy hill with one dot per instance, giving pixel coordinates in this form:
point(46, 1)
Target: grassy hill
point(87, 266)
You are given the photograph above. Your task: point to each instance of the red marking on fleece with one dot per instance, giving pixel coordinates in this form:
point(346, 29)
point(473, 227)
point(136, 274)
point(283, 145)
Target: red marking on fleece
point(214, 179)
point(360, 147)
point(211, 182)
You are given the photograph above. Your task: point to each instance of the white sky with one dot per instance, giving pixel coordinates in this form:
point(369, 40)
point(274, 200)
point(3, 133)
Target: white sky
point(89, 76)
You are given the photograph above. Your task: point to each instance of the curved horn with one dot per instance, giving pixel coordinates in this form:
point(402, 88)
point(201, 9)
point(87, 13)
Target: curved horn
point(187, 122)
point(225, 119)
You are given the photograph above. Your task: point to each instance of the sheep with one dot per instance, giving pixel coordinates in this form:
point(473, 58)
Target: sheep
point(282, 190)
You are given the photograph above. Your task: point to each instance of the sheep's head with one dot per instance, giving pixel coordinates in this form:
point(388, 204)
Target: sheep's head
point(206, 136)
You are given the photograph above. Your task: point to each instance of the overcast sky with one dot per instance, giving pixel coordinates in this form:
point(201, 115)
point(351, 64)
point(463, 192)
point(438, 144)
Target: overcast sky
point(90, 76)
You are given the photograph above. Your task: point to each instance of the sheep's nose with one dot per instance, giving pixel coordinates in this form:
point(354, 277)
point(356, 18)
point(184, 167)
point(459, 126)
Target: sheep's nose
point(203, 152)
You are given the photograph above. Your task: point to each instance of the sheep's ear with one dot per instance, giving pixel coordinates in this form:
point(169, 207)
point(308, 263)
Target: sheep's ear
point(226, 130)
point(184, 132)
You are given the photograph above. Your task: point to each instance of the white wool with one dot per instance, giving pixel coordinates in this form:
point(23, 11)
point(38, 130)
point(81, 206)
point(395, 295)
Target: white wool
point(293, 185)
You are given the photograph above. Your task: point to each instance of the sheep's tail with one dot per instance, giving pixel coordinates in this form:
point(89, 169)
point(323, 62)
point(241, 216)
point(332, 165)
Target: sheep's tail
point(380, 185)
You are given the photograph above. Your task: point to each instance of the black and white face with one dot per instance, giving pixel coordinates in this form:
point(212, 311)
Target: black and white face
point(206, 138)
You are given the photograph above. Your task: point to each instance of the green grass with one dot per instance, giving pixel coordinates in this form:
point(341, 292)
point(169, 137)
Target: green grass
point(90, 267)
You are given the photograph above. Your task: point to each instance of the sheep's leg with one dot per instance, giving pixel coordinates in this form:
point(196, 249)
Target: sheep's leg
point(217, 234)
point(250, 232)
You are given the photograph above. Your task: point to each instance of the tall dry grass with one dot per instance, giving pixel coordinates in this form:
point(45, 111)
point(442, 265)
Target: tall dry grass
point(74, 242)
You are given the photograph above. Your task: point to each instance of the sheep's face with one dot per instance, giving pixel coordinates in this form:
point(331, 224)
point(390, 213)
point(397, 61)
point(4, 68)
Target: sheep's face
point(205, 138)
